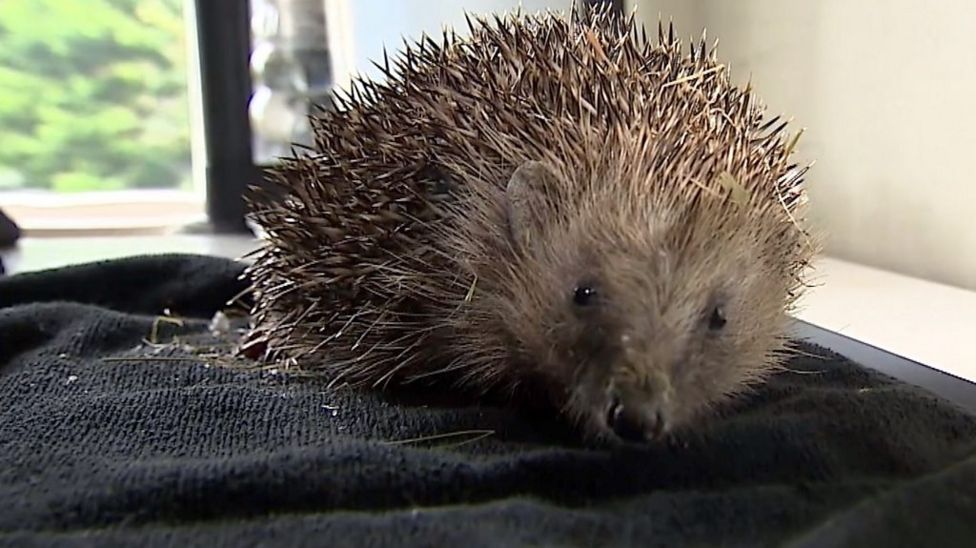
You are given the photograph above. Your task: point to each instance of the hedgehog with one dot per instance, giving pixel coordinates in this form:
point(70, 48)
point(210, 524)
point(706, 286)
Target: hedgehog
point(554, 208)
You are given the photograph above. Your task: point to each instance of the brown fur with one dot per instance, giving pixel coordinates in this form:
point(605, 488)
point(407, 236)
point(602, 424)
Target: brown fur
point(402, 253)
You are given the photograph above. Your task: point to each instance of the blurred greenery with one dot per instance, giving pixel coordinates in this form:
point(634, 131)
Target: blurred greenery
point(93, 95)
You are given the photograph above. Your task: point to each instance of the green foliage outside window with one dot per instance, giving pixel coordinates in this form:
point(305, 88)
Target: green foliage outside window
point(93, 95)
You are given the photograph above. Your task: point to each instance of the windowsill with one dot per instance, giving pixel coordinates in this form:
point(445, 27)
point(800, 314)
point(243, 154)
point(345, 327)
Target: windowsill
point(104, 213)
point(40, 253)
point(916, 319)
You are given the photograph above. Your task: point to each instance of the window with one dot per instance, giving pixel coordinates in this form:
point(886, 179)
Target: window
point(95, 114)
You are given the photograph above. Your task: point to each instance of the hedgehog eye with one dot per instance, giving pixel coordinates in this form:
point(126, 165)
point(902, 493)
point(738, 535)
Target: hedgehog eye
point(584, 295)
point(717, 320)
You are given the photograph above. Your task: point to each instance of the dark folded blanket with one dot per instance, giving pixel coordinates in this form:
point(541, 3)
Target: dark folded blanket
point(106, 439)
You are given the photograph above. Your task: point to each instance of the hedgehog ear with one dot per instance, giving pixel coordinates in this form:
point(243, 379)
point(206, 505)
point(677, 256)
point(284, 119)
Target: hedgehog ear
point(528, 201)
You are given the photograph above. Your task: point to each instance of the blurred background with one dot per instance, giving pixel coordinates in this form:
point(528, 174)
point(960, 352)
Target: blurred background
point(94, 109)
point(135, 124)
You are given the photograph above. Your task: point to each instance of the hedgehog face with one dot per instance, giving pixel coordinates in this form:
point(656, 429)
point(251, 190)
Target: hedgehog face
point(646, 320)
point(657, 334)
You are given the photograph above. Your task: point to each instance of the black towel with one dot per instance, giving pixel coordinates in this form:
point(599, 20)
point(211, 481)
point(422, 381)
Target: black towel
point(107, 439)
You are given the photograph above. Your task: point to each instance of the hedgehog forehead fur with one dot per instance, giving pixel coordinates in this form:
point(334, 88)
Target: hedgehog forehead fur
point(550, 205)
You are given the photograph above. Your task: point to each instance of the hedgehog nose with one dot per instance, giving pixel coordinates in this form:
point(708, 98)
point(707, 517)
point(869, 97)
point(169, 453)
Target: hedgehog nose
point(631, 426)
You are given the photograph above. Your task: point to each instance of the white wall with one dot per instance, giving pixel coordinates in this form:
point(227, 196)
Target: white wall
point(887, 92)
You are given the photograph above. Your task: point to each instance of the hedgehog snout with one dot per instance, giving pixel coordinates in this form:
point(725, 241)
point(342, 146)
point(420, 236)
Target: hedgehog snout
point(639, 411)
point(637, 420)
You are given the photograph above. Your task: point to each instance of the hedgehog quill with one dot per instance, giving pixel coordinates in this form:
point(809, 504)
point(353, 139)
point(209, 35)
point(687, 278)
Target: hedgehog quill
point(551, 207)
